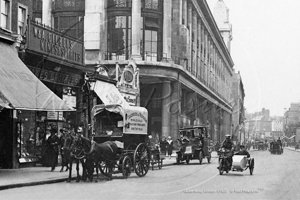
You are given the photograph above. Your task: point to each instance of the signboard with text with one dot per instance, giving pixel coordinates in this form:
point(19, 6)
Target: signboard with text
point(55, 44)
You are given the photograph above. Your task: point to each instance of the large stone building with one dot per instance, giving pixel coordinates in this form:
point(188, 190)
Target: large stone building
point(185, 65)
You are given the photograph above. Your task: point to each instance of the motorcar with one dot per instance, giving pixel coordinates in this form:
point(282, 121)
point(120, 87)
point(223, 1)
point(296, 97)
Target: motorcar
point(276, 148)
point(193, 144)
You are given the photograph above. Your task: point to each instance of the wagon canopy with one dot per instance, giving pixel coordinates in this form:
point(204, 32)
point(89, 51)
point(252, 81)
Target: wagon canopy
point(135, 119)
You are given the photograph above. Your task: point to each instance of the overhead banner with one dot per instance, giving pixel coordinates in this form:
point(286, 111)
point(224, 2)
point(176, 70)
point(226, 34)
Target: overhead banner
point(108, 93)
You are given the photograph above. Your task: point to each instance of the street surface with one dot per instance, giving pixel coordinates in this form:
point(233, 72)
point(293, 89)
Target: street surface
point(275, 177)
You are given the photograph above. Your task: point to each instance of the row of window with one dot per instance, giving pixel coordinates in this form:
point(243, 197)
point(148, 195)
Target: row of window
point(6, 16)
point(209, 65)
point(147, 4)
point(119, 39)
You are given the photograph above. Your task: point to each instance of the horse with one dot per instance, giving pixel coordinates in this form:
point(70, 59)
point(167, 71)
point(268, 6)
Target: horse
point(66, 141)
point(98, 153)
point(77, 155)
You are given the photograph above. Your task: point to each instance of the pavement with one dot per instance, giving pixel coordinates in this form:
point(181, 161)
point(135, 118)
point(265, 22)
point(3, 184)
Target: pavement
point(38, 175)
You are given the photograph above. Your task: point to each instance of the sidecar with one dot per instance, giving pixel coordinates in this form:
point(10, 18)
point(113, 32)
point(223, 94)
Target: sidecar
point(240, 163)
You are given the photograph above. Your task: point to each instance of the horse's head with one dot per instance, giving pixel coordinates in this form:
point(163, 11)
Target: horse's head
point(68, 139)
point(80, 146)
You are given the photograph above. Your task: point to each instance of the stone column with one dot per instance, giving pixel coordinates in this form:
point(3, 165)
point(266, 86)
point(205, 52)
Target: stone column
point(194, 44)
point(47, 13)
point(190, 25)
point(174, 109)
point(165, 114)
point(95, 32)
point(199, 36)
point(167, 30)
point(136, 30)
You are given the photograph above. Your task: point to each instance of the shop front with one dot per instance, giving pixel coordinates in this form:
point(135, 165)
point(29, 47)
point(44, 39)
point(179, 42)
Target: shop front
point(22, 97)
point(57, 61)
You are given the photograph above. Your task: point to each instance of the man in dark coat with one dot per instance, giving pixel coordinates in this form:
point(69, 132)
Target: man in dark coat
point(53, 142)
point(228, 145)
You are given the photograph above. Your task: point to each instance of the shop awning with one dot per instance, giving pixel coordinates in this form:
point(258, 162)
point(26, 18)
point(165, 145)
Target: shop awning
point(20, 89)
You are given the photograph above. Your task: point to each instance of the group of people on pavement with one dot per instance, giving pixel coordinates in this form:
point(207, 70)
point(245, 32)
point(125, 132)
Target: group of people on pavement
point(53, 146)
point(165, 145)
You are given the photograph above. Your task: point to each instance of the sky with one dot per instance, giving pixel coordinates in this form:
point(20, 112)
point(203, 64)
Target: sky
point(266, 51)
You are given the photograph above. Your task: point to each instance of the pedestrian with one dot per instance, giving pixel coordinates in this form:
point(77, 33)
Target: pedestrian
point(45, 148)
point(170, 146)
point(80, 131)
point(53, 142)
point(163, 145)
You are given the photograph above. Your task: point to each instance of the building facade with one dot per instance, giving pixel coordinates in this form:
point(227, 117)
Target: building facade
point(291, 119)
point(238, 115)
point(259, 124)
point(184, 64)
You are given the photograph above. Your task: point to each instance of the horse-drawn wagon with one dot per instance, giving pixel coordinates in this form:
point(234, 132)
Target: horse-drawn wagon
point(127, 128)
point(119, 141)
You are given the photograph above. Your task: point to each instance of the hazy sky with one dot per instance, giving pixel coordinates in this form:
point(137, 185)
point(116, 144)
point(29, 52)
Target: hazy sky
point(266, 50)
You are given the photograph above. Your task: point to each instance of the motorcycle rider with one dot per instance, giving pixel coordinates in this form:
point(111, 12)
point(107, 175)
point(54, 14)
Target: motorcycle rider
point(228, 145)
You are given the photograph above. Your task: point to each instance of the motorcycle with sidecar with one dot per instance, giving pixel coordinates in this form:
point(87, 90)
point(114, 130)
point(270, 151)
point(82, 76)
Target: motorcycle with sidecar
point(240, 163)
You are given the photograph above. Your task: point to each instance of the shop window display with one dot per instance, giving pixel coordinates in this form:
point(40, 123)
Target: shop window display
point(31, 133)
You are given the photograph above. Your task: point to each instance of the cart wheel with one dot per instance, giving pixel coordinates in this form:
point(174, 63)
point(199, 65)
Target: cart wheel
point(187, 161)
point(200, 157)
point(126, 166)
point(251, 168)
point(103, 168)
point(141, 160)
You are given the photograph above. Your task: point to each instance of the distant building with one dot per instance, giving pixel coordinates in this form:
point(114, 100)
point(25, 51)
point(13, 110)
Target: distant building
point(259, 124)
point(277, 127)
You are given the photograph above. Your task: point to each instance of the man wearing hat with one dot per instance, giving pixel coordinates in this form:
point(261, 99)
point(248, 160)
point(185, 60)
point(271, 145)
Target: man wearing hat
point(228, 145)
point(53, 142)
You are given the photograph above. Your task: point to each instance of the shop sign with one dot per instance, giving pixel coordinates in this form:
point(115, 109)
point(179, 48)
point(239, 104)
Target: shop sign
point(52, 115)
point(130, 98)
point(137, 122)
point(69, 95)
point(128, 84)
point(55, 77)
point(54, 44)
